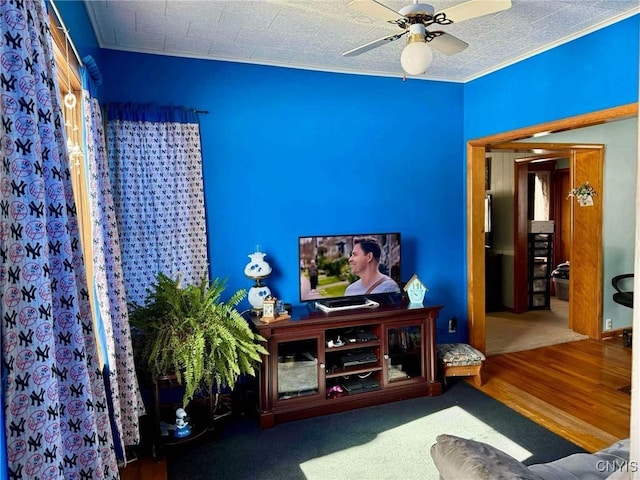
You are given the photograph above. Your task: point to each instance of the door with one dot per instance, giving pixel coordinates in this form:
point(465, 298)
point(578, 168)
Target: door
point(520, 264)
point(562, 240)
point(585, 278)
point(524, 205)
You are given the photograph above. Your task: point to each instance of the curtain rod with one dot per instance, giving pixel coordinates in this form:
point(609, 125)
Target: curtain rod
point(66, 32)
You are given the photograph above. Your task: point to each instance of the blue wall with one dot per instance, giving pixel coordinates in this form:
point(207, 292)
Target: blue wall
point(594, 72)
point(292, 152)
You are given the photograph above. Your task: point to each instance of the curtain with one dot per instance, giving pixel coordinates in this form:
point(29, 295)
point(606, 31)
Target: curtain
point(57, 422)
point(110, 308)
point(542, 186)
point(155, 167)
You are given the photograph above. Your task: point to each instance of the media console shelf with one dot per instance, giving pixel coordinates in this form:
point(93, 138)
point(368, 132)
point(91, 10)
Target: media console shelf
point(321, 363)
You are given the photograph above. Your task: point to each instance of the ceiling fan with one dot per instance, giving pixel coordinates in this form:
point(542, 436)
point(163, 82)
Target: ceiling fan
point(414, 20)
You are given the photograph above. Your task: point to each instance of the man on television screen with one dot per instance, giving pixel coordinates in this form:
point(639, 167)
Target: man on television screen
point(365, 261)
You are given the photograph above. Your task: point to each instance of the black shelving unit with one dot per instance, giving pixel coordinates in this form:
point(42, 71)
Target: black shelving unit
point(540, 258)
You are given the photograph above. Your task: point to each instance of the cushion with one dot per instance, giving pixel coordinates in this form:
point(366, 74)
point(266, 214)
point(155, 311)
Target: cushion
point(459, 458)
point(459, 354)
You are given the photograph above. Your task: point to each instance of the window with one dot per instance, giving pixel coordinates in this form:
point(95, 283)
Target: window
point(70, 86)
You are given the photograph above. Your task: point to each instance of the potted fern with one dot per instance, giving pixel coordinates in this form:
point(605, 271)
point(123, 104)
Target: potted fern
point(191, 333)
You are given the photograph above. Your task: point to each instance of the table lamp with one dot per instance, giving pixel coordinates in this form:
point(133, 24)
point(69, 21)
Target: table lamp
point(257, 269)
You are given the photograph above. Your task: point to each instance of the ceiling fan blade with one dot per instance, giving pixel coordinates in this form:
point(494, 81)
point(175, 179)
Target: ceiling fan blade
point(446, 43)
point(375, 9)
point(471, 9)
point(372, 45)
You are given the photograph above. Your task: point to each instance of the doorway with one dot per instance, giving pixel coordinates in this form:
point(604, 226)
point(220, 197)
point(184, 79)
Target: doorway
point(585, 161)
point(526, 187)
point(535, 199)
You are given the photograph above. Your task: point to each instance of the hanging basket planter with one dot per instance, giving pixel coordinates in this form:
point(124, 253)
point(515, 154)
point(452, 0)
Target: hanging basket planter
point(584, 193)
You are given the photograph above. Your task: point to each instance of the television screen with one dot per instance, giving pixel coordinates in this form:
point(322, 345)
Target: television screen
point(340, 266)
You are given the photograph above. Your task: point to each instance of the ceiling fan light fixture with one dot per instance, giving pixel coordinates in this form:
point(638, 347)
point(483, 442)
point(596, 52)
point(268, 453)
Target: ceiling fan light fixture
point(416, 58)
point(417, 55)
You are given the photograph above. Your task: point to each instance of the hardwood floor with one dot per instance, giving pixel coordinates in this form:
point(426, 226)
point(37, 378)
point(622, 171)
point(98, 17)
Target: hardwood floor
point(573, 389)
point(145, 469)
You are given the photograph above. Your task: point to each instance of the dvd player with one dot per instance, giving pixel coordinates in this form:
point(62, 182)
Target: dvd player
point(360, 385)
point(353, 359)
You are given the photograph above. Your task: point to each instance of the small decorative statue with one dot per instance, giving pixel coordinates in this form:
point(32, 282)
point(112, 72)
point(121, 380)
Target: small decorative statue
point(182, 426)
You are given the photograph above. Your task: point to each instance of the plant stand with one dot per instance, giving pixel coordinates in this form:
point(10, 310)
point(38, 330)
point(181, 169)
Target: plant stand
point(201, 413)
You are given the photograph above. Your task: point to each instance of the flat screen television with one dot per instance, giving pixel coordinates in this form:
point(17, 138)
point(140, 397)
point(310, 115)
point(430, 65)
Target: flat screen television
point(342, 269)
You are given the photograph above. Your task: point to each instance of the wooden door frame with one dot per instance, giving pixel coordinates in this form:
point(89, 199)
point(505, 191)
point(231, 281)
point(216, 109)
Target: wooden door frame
point(476, 151)
point(560, 225)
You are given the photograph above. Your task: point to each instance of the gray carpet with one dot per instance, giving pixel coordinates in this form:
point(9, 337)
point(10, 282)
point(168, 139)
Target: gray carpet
point(389, 441)
point(514, 332)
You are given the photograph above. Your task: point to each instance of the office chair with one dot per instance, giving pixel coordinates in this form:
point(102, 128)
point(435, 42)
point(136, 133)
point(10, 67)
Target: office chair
point(622, 295)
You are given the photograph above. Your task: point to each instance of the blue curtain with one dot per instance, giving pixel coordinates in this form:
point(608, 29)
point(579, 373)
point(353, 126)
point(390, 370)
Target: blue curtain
point(155, 168)
point(57, 423)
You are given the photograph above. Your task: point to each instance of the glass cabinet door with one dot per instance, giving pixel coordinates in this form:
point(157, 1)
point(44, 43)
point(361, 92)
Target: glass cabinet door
point(404, 353)
point(297, 372)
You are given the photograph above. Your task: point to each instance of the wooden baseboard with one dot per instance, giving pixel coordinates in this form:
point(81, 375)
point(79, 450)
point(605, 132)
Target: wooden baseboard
point(613, 333)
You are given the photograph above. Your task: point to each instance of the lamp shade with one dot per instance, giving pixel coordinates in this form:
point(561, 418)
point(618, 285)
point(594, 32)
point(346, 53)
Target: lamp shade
point(257, 266)
point(416, 58)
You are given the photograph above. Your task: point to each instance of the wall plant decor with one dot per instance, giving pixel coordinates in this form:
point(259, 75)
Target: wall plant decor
point(584, 193)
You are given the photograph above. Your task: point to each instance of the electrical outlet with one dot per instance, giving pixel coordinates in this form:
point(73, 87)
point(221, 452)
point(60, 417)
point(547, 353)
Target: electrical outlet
point(608, 325)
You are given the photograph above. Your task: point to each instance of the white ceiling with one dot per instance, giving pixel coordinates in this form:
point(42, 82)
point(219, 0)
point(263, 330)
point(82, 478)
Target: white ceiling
point(313, 34)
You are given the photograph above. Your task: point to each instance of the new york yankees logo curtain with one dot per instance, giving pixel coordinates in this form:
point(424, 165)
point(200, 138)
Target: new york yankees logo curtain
point(155, 166)
point(57, 421)
point(112, 316)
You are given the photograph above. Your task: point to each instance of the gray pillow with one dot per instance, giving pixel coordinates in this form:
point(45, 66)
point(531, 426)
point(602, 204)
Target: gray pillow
point(463, 459)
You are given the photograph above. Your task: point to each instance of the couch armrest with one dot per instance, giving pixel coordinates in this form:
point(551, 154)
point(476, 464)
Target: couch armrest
point(602, 465)
point(457, 458)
